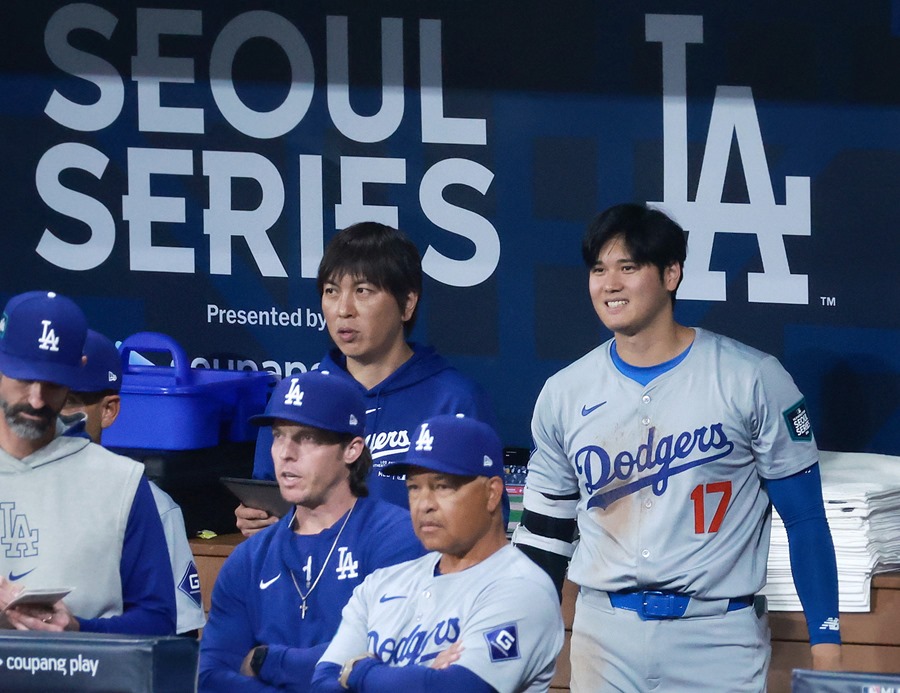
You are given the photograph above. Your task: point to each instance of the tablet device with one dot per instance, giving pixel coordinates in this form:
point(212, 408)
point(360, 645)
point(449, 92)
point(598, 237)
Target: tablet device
point(39, 597)
point(258, 493)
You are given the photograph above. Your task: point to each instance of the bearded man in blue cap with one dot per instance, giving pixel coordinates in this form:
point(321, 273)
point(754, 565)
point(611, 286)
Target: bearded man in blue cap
point(278, 597)
point(72, 514)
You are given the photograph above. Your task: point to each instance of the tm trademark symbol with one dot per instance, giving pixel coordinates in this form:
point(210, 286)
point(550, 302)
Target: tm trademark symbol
point(829, 301)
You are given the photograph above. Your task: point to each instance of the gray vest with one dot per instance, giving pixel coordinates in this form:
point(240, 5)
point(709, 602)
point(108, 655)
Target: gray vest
point(63, 512)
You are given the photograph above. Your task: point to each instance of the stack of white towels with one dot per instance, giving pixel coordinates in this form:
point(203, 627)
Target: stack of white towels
point(862, 505)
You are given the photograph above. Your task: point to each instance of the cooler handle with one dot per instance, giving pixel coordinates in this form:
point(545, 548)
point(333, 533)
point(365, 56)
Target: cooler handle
point(156, 341)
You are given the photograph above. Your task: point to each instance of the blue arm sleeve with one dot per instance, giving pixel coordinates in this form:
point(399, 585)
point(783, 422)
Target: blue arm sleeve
point(148, 591)
point(325, 678)
point(798, 499)
point(263, 467)
point(229, 633)
point(372, 676)
point(291, 667)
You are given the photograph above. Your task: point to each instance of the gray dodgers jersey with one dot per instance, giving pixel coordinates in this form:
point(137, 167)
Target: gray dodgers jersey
point(504, 610)
point(63, 513)
point(668, 474)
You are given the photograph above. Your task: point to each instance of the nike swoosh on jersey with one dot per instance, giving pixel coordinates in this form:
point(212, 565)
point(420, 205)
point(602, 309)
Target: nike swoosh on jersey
point(13, 578)
point(585, 410)
point(263, 584)
point(372, 411)
point(385, 598)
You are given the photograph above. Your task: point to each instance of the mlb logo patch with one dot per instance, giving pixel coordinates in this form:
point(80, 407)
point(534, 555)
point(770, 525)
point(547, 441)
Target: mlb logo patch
point(503, 643)
point(797, 420)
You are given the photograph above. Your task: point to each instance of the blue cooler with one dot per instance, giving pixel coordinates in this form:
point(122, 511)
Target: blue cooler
point(188, 426)
point(182, 408)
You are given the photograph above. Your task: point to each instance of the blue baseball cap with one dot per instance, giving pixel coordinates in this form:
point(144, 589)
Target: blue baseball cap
point(103, 370)
point(42, 338)
point(453, 444)
point(316, 399)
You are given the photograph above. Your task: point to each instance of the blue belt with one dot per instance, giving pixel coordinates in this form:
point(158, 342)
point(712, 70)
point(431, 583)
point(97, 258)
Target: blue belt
point(652, 605)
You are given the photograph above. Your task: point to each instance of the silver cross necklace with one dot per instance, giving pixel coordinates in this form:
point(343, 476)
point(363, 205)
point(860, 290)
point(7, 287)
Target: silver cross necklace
point(310, 588)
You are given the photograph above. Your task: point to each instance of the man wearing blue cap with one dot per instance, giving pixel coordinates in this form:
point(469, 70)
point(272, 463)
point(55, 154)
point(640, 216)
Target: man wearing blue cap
point(474, 615)
point(72, 514)
point(278, 597)
point(94, 399)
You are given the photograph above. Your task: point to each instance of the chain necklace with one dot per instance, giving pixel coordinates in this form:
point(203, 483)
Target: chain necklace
point(309, 589)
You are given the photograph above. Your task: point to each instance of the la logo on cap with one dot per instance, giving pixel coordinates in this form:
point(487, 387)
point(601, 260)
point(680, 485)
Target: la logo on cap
point(294, 397)
point(48, 341)
point(425, 440)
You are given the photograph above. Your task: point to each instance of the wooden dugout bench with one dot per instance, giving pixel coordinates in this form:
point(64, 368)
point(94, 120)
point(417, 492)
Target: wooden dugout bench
point(871, 640)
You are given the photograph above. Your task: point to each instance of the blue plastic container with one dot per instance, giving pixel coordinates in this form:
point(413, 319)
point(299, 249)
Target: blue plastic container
point(182, 408)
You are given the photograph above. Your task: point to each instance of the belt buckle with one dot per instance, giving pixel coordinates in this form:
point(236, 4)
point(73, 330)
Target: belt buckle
point(656, 606)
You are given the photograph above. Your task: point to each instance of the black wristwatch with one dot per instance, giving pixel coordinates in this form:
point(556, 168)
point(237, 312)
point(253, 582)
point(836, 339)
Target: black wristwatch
point(259, 656)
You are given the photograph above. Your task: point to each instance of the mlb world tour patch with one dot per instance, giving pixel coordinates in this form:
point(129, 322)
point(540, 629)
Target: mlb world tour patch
point(797, 420)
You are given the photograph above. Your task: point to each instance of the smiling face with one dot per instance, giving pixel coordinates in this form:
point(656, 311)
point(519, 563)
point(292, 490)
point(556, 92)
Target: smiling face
point(311, 467)
point(629, 297)
point(365, 321)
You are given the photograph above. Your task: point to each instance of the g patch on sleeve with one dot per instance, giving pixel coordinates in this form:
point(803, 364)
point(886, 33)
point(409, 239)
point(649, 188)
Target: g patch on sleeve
point(190, 583)
point(797, 420)
point(503, 642)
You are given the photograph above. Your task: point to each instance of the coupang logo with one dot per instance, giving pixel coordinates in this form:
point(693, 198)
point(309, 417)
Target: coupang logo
point(664, 458)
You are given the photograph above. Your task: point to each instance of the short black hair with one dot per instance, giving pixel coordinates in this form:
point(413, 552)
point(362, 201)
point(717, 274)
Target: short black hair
point(379, 254)
point(650, 236)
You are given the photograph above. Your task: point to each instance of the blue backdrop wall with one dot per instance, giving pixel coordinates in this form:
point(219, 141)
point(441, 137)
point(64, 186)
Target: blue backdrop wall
point(178, 166)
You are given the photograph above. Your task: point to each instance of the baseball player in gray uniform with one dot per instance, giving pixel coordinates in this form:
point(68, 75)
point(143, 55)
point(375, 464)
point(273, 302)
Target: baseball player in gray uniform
point(474, 614)
point(668, 444)
point(95, 397)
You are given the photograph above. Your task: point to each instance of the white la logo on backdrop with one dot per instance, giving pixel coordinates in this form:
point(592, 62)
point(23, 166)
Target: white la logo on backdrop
point(733, 114)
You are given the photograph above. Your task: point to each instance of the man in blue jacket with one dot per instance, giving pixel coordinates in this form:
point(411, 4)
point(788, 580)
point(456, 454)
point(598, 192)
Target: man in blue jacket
point(370, 280)
point(277, 600)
